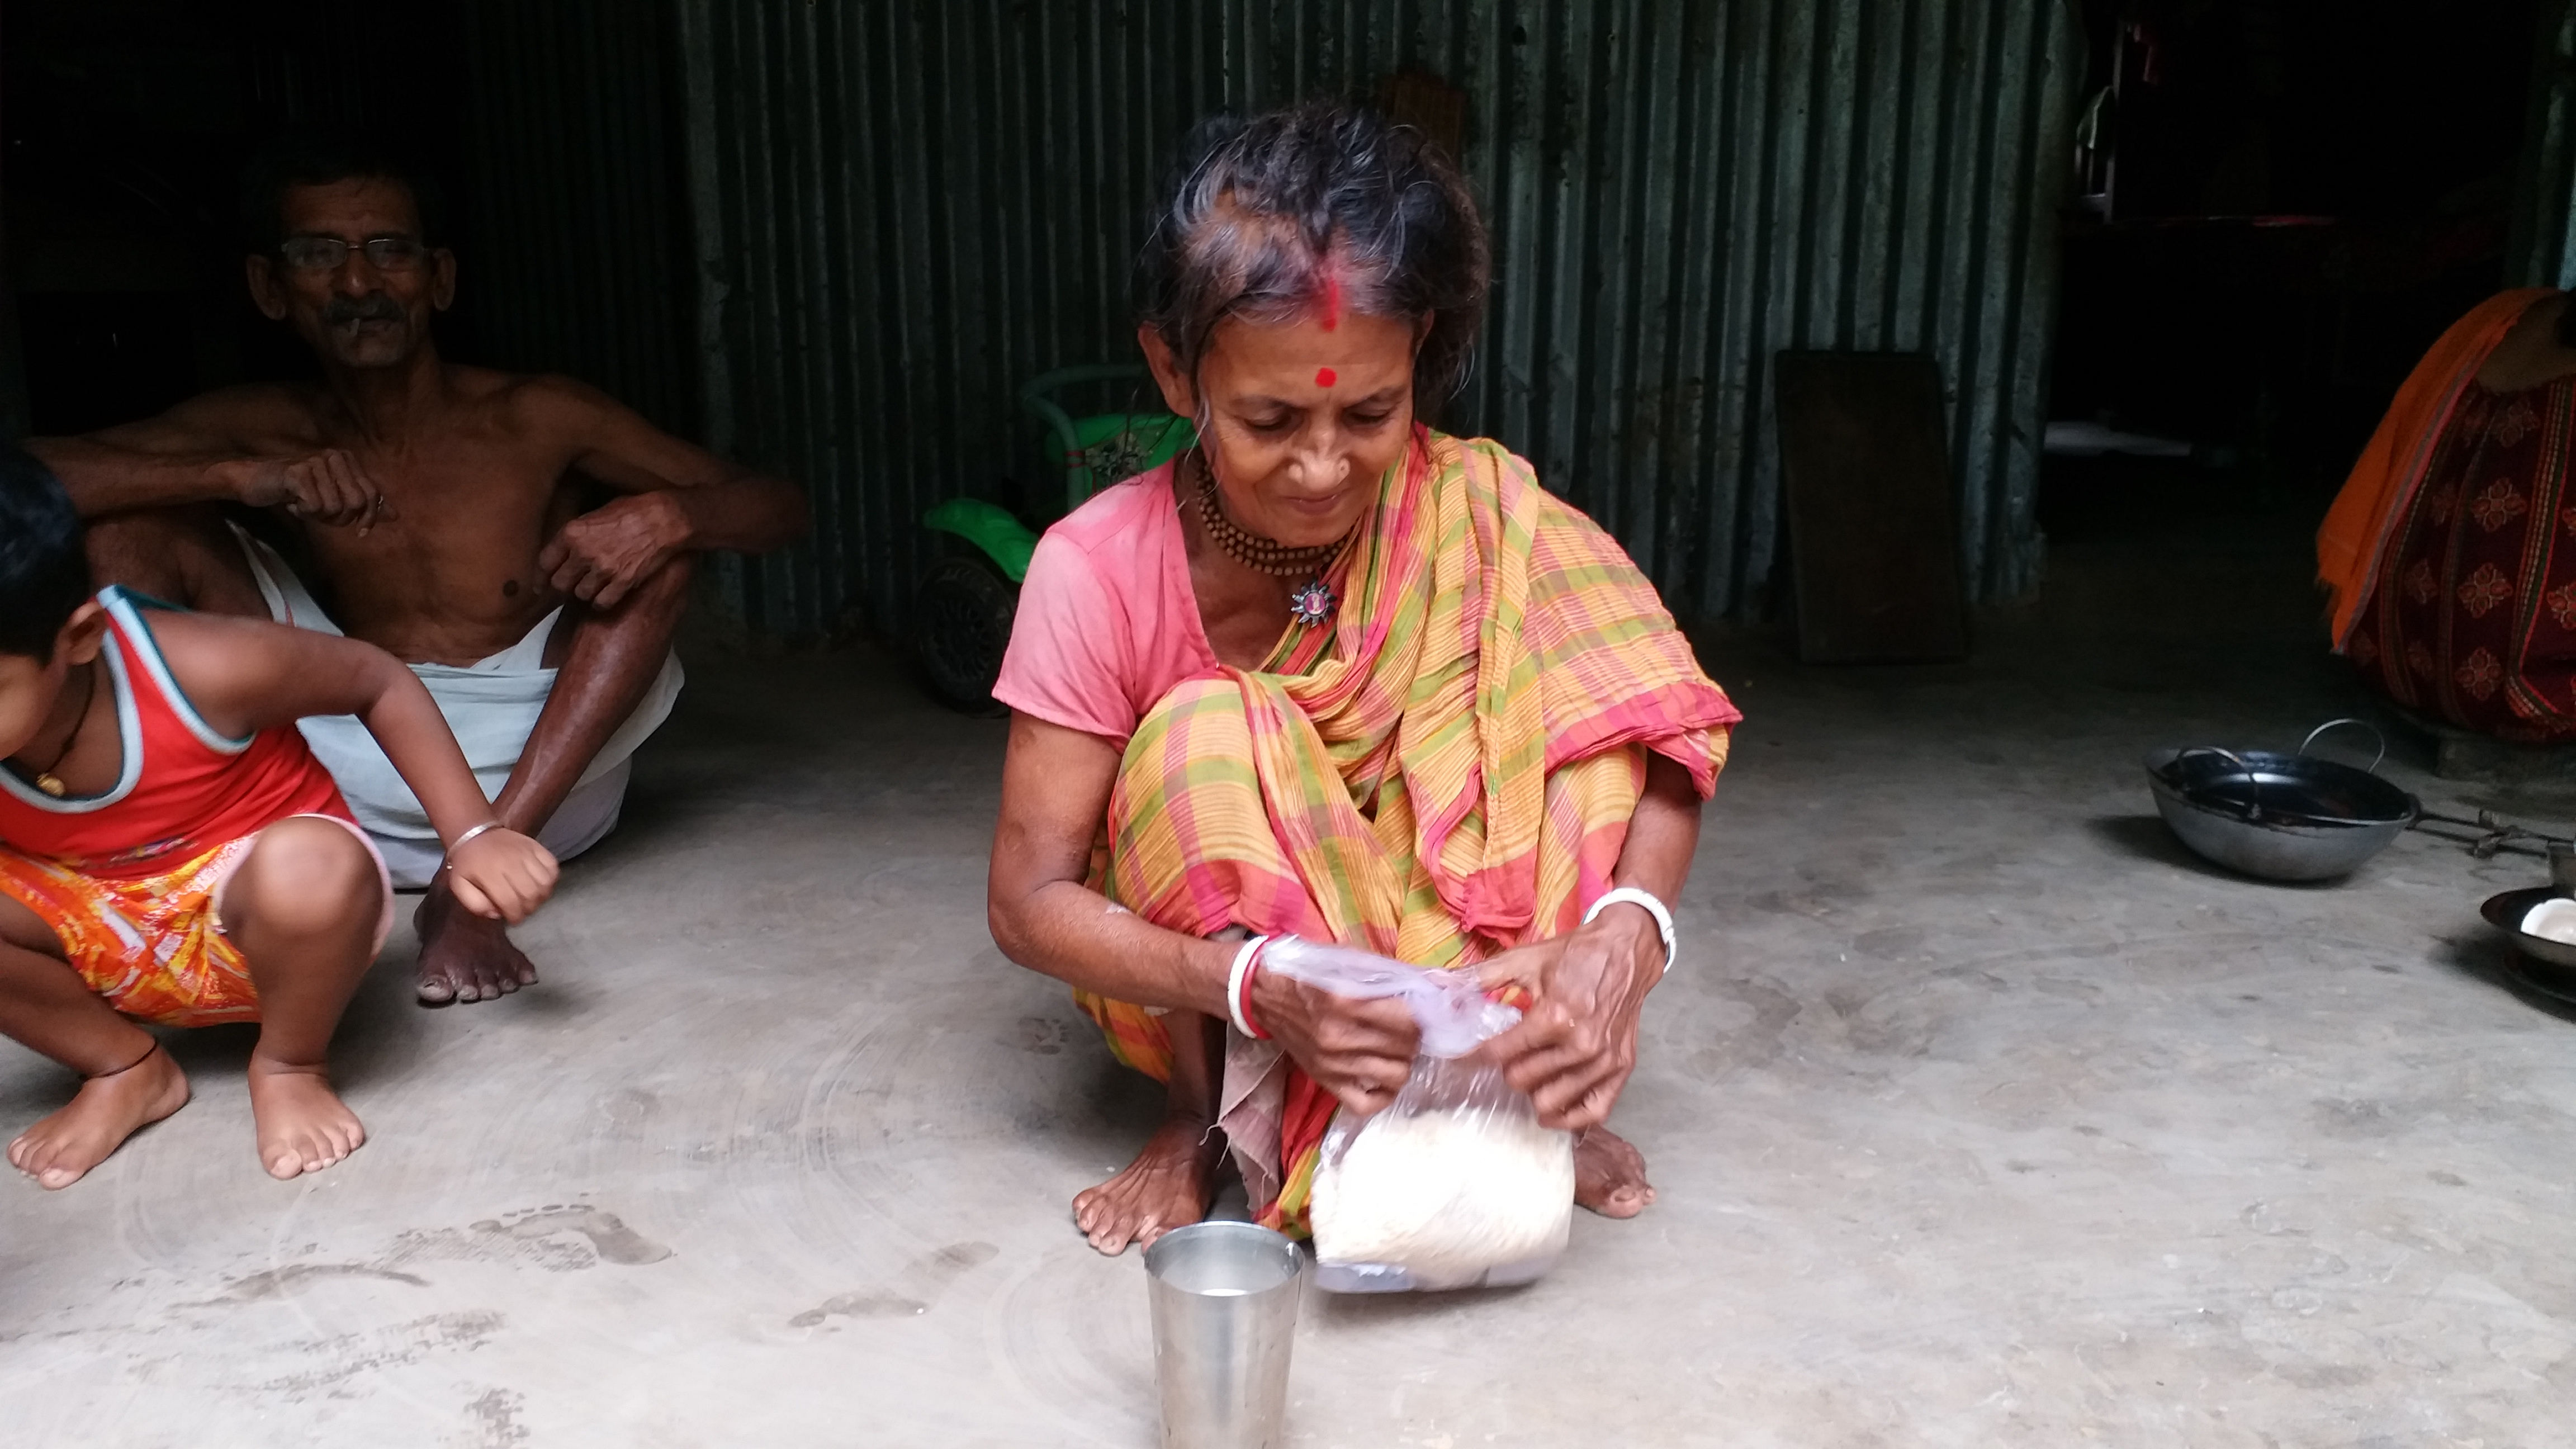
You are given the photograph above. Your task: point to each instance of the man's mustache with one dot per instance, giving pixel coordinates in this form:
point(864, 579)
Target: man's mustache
point(344, 311)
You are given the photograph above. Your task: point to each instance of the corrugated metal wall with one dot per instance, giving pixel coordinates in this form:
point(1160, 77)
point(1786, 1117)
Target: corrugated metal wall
point(579, 252)
point(904, 209)
point(2542, 250)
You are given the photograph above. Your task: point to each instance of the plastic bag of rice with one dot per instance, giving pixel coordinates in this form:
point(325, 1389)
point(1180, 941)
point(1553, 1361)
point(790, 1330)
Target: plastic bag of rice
point(1454, 1185)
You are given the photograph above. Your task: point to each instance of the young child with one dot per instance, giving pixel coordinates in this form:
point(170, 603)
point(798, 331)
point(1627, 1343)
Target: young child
point(170, 851)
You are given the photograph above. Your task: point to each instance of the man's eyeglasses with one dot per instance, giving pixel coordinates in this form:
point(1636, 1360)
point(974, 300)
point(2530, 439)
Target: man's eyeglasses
point(326, 253)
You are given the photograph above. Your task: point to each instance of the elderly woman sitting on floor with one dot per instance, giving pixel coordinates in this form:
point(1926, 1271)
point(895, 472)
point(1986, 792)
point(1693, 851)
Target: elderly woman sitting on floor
point(1335, 674)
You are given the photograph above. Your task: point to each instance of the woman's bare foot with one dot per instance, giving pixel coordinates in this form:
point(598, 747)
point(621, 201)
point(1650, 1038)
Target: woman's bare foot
point(1168, 1186)
point(1610, 1174)
point(106, 1111)
point(303, 1125)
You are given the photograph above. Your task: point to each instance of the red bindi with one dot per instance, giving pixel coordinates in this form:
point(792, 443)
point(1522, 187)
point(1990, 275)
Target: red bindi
point(1324, 377)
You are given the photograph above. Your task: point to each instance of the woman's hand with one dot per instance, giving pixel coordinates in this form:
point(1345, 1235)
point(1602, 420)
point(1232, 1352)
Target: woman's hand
point(502, 875)
point(1575, 1047)
point(1360, 1051)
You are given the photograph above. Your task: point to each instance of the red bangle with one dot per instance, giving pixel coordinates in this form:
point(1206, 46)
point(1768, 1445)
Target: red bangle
point(1238, 987)
point(1250, 974)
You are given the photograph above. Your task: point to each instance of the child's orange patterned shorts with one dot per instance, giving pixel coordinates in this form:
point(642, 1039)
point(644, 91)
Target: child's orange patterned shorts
point(154, 945)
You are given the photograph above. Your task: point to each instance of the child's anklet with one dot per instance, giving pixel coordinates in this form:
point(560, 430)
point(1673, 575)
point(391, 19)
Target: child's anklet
point(129, 1066)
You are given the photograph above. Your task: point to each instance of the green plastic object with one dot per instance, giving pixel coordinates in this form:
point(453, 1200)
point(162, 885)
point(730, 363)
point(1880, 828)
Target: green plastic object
point(1103, 449)
point(1117, 446)
point(990, 527)
point(1096, 451)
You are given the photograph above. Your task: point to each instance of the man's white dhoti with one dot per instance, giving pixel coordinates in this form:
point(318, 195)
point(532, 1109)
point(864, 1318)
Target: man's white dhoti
point(492, 706)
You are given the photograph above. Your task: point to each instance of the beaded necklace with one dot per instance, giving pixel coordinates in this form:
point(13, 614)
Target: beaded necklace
point(1313, 601)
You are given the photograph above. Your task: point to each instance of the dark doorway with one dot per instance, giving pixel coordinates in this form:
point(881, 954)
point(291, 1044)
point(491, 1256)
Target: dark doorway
point(127, 122)
point(2280, 204)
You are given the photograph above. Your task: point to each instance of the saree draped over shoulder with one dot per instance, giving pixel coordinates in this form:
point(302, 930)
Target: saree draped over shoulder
point(2451, 552)
point(1443, 773)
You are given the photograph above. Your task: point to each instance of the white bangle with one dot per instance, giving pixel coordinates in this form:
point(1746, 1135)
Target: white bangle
point(1655, 908)
point(1234, 984)
point(469, 837)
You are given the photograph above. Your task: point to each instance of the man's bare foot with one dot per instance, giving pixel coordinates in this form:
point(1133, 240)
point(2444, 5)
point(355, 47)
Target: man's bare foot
point(1168, 1186)
point(463, 956)
point(1610, 1174)
point(303, 1125)
point(106, 1111)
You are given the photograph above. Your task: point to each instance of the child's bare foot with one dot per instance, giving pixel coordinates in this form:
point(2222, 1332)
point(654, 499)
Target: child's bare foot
point(303, 1125)
point(1610, 1174)
point(106, 1111)
point(1168, 1186)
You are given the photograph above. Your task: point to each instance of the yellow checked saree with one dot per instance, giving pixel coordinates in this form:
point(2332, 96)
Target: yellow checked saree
point(1445, 772)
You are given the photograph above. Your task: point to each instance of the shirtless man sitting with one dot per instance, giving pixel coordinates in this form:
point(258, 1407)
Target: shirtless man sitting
point(439, 509)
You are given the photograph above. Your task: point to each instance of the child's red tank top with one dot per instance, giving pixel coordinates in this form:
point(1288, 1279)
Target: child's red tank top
point(182, 789)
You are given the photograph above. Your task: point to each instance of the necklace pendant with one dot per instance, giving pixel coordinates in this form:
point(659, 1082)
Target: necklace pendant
point(47, 782)
point(1312, 604)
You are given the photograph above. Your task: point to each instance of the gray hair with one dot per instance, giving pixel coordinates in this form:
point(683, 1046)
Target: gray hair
point(1319, 206)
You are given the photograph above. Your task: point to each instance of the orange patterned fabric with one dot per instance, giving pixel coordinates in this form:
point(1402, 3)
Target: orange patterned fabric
point(2475, 623)
point(149, 945)
point(1446, 773)
point(2358, 540)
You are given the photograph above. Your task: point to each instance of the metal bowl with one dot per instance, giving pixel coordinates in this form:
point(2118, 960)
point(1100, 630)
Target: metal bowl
point(2280, 817)
point(2505, 913)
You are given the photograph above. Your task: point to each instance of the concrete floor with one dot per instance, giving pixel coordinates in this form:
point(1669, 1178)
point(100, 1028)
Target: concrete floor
point(1981, 1115)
